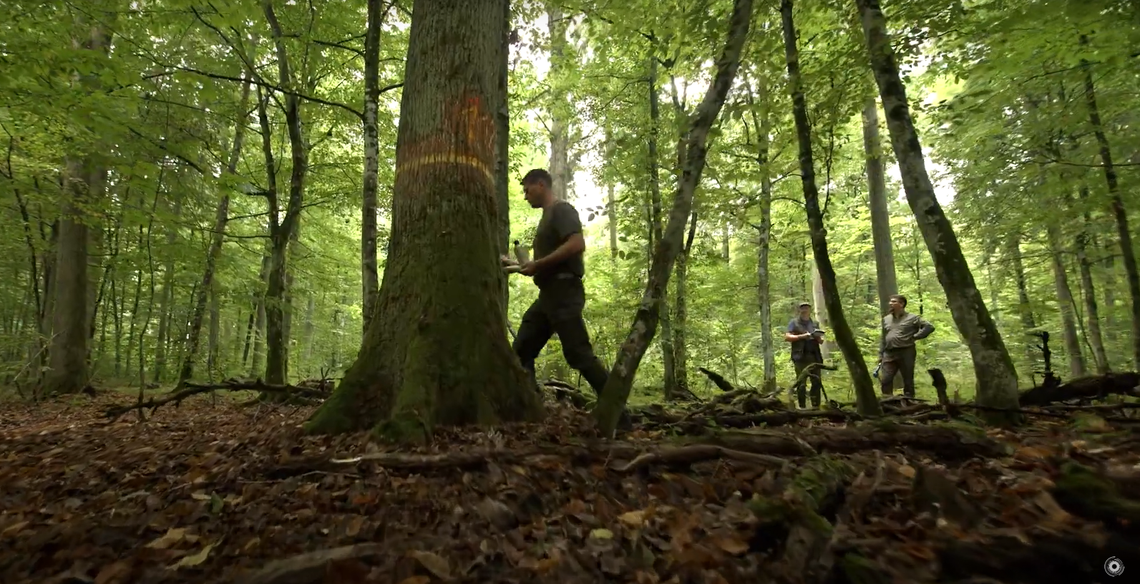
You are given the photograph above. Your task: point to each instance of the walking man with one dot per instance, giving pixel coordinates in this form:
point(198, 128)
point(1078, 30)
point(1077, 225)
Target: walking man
point(896, 346)
point(557, 270)
point(804, 335)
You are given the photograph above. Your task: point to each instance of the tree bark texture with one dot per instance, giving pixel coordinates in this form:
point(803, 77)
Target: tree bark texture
point(613, 398)
point(370, 280)
point(559, 109)
point(763, 125)
point(886, 279)
point(1088, 290)
point(1065, 305)
point(281, 233)
point(866, 400)
point(1127, 253)
point(993, 368)
point(437, 351)
point(84, 178)
point(681, 312)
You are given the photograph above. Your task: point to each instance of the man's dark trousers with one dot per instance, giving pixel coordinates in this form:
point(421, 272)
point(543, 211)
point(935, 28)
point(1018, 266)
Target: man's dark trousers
point(815, 376)
point(558, 309)
point(898, 361)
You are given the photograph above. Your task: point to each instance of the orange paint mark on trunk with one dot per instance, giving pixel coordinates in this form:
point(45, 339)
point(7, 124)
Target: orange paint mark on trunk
point(466, 138)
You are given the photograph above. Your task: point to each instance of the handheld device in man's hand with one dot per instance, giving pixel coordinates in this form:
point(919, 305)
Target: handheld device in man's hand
point(522, 254)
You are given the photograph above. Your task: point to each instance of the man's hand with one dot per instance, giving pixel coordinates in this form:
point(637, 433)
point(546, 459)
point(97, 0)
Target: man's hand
point(529, 268)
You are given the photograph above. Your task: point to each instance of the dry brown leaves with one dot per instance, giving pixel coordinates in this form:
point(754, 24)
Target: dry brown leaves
point(190, 496)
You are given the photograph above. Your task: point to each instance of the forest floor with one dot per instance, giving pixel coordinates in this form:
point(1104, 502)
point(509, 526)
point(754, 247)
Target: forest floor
point(215, 492)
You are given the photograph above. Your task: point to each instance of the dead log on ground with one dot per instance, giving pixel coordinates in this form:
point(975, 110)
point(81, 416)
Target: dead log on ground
point(947, 443)
point(192, 389)
point(1090, 388)
point(718, 380)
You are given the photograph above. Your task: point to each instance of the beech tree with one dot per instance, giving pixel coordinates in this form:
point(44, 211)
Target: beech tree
point(436, 350)
point(993, 367)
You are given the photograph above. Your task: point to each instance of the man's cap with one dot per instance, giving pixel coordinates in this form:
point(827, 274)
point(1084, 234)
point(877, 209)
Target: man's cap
point(803, 304)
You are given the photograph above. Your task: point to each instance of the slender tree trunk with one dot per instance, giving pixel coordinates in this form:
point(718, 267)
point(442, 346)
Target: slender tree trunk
point(165, 300)
point(437, 352)
point(217, 238)
point(763, 125)
point(1024, 307)
point(993, 368)
point(1088, 293)
point(819, 300)
point(866, 400)
point(886, 278)
point(681, 312)
point(370, 275)
point(310, 328)
point(612, 401)
point(559, 109)
point(1065, 304)
point(281, 233)
point(1127, 253)
point(668, 355)
point(213, 349)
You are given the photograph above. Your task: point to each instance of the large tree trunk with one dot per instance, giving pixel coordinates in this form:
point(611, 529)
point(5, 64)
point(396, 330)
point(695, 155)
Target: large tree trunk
point(612, 401)
point(1088, 292)
point(503, 157)
point(763, 125)
point(866, 400)
point(1127, 253)
point(370, 280)
point(217, 238)
point(993, 368)
point(84, 179)
point(281, 233)
point(436, 352)
point(559, 108)
point(1066, 305)
point(681, 313)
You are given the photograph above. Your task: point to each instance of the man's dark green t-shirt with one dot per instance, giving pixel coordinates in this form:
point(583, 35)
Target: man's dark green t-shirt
point(558, 223)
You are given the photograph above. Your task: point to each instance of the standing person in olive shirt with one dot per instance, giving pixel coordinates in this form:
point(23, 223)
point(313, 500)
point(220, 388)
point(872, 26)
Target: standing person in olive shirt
point(896, 347)
point(557, 270)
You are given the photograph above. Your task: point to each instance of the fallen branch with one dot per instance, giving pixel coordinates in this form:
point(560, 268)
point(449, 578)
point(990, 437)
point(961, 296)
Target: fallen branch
point(192, 389)
point(686, 455)
point(1094, 387)
point(311, 566)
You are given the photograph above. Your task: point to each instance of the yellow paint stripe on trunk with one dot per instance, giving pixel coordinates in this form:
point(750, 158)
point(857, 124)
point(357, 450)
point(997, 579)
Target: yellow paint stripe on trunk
point(452, 158)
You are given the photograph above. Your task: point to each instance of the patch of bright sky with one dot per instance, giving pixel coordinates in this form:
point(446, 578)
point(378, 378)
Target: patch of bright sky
point(585, 192)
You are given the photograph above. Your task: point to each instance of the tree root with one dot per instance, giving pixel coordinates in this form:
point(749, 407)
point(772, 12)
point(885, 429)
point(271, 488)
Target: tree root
point(192, 389)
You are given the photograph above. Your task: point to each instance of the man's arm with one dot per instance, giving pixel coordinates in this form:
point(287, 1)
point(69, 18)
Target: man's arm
point(924, 330)
point(791, 336)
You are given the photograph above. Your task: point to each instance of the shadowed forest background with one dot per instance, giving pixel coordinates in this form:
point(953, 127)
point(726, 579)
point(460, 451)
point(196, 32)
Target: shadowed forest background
point(201, 194)
point(998, 94)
